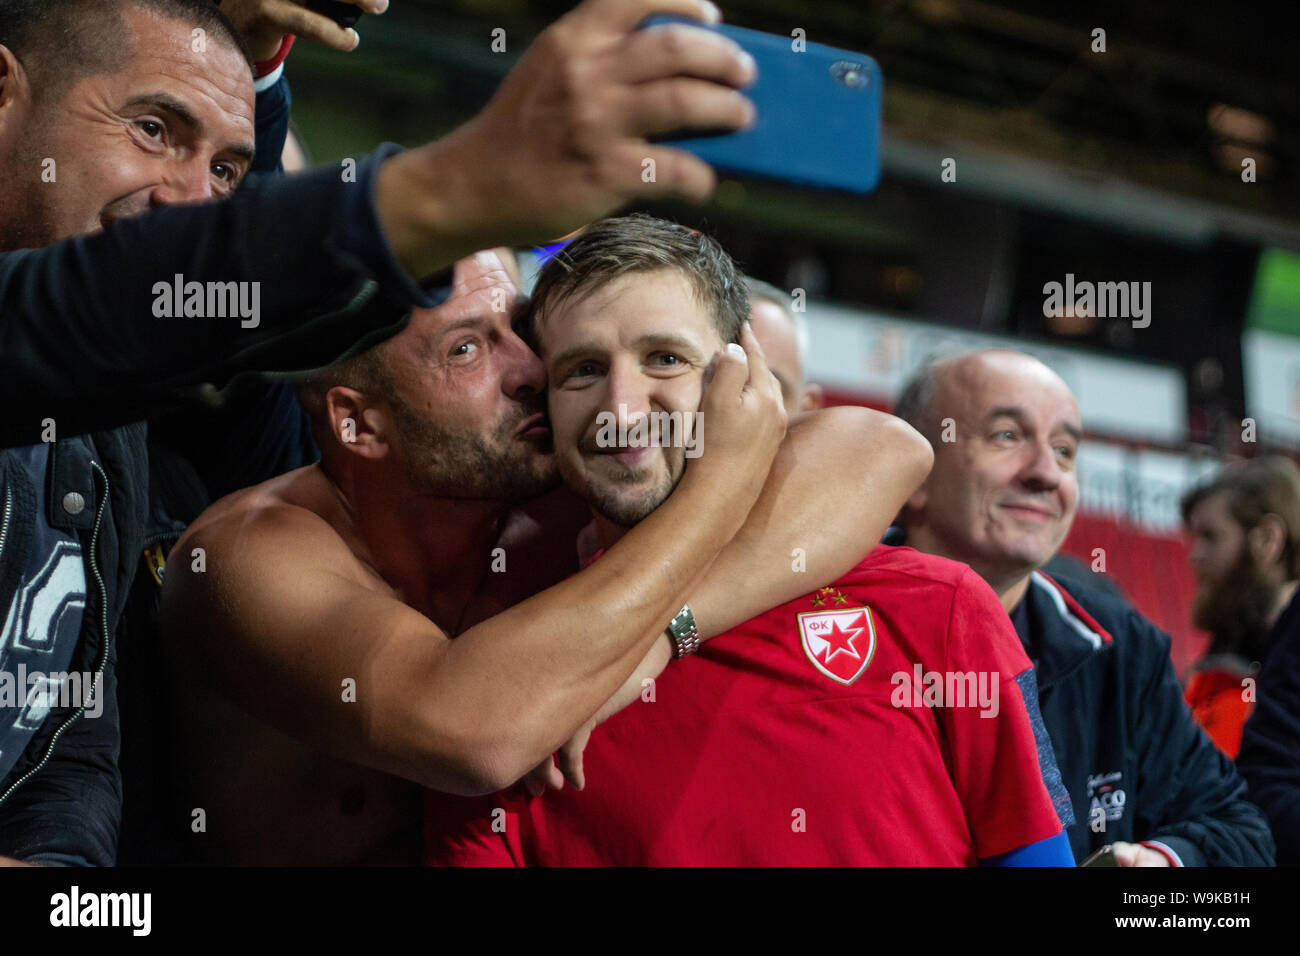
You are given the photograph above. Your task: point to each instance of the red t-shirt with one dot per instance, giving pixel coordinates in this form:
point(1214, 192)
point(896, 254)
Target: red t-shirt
point(1216, 700)
point(800, 738)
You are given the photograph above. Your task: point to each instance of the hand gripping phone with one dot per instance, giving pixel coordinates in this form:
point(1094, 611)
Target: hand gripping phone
point(818, 114)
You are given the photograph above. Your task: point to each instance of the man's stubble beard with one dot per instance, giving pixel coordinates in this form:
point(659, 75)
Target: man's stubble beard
point(449, 463)
point(1235, 610)
point(619, 509)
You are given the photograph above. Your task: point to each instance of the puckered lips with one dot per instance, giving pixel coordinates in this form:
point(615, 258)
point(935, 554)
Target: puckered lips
point(534, 427)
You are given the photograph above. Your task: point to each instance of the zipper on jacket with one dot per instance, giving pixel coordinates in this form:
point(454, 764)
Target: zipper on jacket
point(4, 522)
point(104, 647)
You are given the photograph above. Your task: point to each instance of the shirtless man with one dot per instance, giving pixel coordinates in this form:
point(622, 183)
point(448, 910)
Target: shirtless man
point(313, 628)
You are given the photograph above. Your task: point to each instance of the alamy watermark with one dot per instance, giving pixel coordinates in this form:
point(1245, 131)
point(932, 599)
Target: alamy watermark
point(652, 430)
point(950, 689)
point(37, 692)
point(209, 300)
point(1105, 300)
point(74, 908)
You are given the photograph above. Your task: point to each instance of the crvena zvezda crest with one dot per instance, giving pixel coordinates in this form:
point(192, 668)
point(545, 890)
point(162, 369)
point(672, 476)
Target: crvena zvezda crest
point(839, 640)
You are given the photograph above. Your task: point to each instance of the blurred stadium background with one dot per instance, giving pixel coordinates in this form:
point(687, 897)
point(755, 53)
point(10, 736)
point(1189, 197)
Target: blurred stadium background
point(1117, 166)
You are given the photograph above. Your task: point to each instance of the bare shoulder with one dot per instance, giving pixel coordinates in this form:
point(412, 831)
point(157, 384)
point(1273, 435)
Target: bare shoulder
point(267, 541)
point(295, 513)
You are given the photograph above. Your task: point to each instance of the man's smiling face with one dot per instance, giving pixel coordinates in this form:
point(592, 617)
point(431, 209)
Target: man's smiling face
point(171, 124)
point(1003, 494)
point(636, 346)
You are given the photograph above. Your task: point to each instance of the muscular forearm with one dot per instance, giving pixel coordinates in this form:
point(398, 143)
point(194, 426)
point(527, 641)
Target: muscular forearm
point(838, 481)
point(512, 689)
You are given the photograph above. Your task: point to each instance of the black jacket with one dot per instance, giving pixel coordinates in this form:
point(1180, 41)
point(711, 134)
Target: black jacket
point(1136, 764)
point(81, 346)
point(1270, 743)
point(60, 804)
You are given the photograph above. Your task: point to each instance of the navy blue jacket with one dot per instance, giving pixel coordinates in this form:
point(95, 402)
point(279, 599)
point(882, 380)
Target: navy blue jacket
point(1136, 764)
point(60, 804)
point(80, 344)
point(1270, 743)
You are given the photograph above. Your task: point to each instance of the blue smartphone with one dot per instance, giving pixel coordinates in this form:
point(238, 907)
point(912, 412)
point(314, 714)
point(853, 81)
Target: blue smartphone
point(819, 112)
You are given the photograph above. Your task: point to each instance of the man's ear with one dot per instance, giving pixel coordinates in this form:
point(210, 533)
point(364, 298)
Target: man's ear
point(814, 398)
point(357, 423)
point(915, 505)
point(15, 93)
point(1267, 540)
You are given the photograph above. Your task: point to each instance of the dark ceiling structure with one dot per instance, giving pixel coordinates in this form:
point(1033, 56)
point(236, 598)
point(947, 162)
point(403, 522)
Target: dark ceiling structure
point(1181, 93)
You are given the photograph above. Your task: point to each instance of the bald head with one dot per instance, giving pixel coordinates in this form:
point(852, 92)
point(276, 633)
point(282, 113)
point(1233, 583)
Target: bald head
point(1003, 491)
point(783, 345)
point(985, 370)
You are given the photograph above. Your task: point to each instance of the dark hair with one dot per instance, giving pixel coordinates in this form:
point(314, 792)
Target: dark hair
point(916, 400)
point(620, 245)
point(60, 42)
point(1254, 489)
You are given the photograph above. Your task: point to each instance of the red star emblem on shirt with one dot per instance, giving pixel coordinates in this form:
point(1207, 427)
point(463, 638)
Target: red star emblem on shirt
point(841, 641)
point(840, 644)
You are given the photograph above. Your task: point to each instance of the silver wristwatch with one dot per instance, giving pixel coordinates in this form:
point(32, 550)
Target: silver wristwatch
point(685, 635)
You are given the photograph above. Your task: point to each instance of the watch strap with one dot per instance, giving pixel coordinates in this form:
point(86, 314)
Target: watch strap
point(685, 635)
